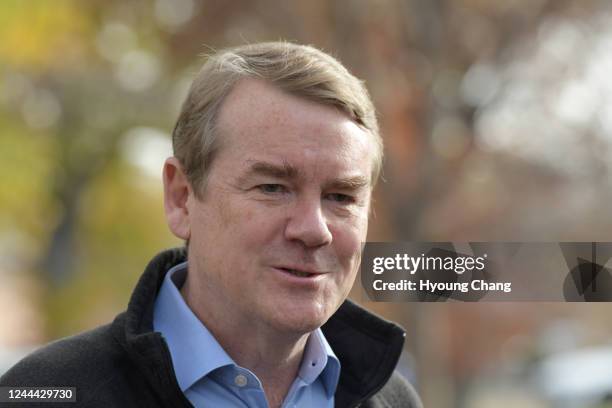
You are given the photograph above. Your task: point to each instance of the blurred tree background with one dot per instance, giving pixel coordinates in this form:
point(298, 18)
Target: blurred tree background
point(497, 120)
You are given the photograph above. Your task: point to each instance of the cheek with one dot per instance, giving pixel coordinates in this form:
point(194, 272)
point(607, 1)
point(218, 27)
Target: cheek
point(348, 241)
point(347, 247)
point(247, 227)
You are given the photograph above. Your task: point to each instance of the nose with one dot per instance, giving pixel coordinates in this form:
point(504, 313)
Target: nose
point(308, 224)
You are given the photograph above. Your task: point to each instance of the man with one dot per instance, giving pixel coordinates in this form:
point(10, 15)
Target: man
point(276, 153)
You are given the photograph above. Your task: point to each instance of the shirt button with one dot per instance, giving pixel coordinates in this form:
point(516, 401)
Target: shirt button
point(240, 380)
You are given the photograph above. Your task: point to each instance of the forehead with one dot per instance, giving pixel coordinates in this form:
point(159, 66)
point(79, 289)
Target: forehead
point(259, 121)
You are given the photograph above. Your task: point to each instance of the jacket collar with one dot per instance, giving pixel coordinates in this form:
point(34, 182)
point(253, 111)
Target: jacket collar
point(367, 346)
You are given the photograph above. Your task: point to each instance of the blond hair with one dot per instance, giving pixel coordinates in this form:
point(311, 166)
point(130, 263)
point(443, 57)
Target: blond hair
point(299, 70)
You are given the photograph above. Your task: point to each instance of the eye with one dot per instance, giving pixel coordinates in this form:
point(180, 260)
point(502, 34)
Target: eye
point(341, 198)
point(272, 188)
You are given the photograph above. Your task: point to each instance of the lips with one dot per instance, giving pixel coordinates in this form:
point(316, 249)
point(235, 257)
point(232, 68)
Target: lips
point(299, 271)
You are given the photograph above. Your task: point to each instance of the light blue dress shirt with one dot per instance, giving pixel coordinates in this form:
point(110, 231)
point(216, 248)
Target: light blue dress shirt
point(209, 377)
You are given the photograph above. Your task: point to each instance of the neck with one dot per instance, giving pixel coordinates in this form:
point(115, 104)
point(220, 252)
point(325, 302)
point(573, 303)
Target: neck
point(273, 356)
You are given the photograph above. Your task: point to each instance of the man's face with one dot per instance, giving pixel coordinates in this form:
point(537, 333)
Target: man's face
point(276, 237)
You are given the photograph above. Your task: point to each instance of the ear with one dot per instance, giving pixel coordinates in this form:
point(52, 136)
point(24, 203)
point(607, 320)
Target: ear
point(176, 193)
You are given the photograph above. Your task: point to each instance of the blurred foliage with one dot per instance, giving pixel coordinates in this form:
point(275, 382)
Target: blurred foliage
point(34, 33)
point(24, 198)
point(77, 212)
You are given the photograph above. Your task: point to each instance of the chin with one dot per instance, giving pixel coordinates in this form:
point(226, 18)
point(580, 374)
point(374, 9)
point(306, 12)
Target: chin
point(301, 320)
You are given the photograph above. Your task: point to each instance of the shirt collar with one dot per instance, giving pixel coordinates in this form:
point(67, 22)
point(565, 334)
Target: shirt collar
point(196, 353)
point(319, 359)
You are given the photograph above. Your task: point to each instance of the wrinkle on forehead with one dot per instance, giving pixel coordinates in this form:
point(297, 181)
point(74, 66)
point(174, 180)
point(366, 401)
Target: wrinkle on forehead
point(265, 106)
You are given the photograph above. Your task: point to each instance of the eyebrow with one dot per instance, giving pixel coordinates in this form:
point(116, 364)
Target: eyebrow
point(350, 183)
point(286, 171)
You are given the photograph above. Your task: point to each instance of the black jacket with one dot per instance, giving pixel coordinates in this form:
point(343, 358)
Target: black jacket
point(126, 364)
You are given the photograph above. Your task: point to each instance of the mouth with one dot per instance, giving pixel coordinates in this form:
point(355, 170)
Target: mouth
point(298, 273)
